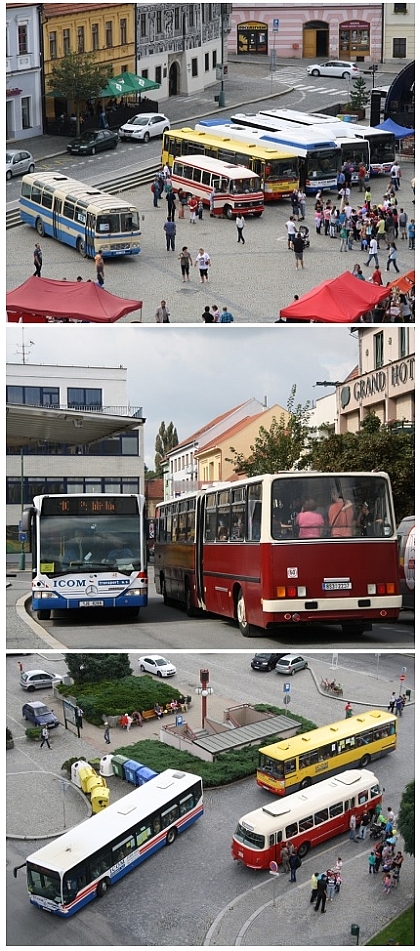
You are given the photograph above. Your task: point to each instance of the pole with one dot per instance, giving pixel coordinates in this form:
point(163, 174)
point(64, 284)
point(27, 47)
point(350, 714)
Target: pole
point(222, 91)
point(21, 566)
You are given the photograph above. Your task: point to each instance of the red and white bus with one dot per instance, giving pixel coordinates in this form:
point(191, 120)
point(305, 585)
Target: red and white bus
point(292, 547)
point(226, 188)
point(306, 818)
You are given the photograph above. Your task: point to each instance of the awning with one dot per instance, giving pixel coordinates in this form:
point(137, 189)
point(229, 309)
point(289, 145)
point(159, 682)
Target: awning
point(39, 299)
point(126, 84)
point(404, 282)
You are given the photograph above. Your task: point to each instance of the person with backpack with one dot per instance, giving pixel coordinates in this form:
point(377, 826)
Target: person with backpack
point(45, 737)
point(295, 863)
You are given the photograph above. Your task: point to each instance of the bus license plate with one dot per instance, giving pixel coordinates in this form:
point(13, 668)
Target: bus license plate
point(91, 604)
point(336, 586)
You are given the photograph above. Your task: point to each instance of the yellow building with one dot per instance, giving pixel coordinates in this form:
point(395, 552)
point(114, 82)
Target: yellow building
point(105, 29)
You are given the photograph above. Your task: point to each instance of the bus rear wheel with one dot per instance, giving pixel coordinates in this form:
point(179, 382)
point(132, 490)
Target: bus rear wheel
point(171, 836)
point(189, 609)
point(43, 615)
point(80, 247)
point(364, 762)
point(303, 850)
point(244, 626)
point(306, 782)
point(228, 211)
point(102, 887)
point(40, 227)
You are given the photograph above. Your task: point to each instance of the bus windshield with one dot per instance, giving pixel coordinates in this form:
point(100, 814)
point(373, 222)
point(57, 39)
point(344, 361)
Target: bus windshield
point(322, 162)
point(323, 507)
point(43, 882)
point(280, 168)
point(244, 185)
point(113, 222)
point(72, 543)
point(382, 149)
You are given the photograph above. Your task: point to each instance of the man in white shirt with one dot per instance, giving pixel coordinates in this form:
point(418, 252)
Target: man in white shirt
point(373, 252)
point(291, 232)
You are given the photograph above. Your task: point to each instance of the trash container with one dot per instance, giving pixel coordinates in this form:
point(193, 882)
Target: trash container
point(75, 771)
point(86, 774)
point(143, 774)
point(130, 770)
point(408, 693)
point(105, 766)
point(93, 782)
point(118, 765)
point(99, 798)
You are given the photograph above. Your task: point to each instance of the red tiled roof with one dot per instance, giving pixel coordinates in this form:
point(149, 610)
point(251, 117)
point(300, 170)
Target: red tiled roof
point(204, 429)
point(228, 433)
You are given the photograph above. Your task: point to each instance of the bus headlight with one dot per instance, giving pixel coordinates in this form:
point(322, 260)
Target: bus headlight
point(46, 594)
point(134, 592)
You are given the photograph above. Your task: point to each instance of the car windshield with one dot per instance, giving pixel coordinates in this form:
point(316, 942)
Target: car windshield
point(161, 662)
point(40, 711)
point(85, 137)
point(139, 120)
point(9, 156)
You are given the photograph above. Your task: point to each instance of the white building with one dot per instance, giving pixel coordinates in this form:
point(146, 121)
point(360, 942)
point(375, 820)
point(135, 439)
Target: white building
point(385, 382)
point(23, 71)
point(111, 464)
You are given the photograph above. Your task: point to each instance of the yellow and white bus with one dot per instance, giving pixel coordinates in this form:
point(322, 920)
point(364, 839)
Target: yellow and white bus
point(277, 167)
point(82, 216)
point(228, 190)
point(301, 760)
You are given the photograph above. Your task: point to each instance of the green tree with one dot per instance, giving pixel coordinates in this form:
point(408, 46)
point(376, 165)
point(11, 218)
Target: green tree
point(406, 820)
point(359, 94)
point(93, 668)
point(166, 439)
point(279, 447)
point(77, 77)
point(376, 446)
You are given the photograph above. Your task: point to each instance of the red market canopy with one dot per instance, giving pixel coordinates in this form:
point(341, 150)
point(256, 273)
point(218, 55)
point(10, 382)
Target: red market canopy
point(404, 282)
point(341, 300)
point(40, 300)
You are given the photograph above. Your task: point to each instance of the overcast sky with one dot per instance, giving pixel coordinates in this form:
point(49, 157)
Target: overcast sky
point(191, 374)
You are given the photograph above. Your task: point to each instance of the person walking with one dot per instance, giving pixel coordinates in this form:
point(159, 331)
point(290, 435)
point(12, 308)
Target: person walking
point(298, 247)
point(162, 313)
point(203, 262)
point(395, 176)
point(37, 260)
point(362, 177)
point(170, 232)
point(240, 225)
point(182, 198)
point(364, 823)
point(373, 252)
point(377, 276)
point(106, 733)
point(411, 231)
point(399, 706)
point(99, 268)
point(156, 192)
point(171, 200)
point(226, 317)
point(348, 710)
point(314, 883)
point(391, 703)
point(295, 863)
point(291, 232)
point(403, 221)
point(302, 204)
point(353, 827)
point(45, 737)
point(392, 257)
point(368, 198)
point(186, 262)
point(321, 893)
point(207, 317)
point(193, 205)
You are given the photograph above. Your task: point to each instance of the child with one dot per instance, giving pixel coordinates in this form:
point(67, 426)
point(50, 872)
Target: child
point(387, 884)
point(372, 863)
point(200, 210)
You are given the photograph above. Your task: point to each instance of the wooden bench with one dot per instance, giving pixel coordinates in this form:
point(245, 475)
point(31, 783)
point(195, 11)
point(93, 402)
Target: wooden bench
point(148, 714)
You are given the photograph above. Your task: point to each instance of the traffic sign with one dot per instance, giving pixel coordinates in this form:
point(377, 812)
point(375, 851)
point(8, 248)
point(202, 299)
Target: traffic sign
point(402, 677)
point(274, 869)
point(286, 688)
point(276, 23)
point(286, 698)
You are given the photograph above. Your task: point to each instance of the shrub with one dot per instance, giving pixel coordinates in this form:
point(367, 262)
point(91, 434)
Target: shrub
point(33, 732)
point(114, 698)
point(67, 765)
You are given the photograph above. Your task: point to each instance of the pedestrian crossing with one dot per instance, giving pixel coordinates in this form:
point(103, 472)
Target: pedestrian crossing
point(290, 76)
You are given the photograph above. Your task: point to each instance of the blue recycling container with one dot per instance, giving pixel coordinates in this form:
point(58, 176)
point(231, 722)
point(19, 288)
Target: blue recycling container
point(130, 770)
point(143, 775)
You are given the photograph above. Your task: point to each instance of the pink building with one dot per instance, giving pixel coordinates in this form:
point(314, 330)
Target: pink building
point(339, 31)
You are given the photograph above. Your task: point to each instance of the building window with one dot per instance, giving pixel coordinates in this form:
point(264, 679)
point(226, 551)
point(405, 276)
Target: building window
point(403, 341)
point(80, 39)
point(53, 45)
point(378, 341)
point(95, 36)
point(400, 8)
point(194, 66)
point(353, 40)
point(191, 14)
point(214, 59)
point(143, 31)
point(158, 75)
point(158, 22)
point(66, 42)
point(33, 395)
point(177, 22)
point(26, 112)
point(206, 62)
point(80, 397)
point(23, 39)
point(108, 34)
point(145, 73)
point(123, 32)
point(399, 47)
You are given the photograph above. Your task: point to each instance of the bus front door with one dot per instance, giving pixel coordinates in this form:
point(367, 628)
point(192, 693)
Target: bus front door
point(200, 529)
point(57, 206)
point(90, 230)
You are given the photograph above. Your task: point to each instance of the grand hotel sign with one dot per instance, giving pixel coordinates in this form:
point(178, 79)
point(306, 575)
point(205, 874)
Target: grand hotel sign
point(385, 382)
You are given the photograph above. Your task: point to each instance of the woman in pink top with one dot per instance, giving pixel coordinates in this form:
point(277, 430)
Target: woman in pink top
point(310, 522)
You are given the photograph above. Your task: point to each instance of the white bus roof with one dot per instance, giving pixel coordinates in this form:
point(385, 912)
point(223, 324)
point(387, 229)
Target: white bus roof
point(299, 804)
point(209, 164)
point(84, 839)
point(291, 136)
point(78, 190)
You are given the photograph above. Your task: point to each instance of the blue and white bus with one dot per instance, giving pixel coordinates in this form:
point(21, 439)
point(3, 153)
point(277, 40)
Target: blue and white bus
point(319, 155)
point(82, 864)
point(82, 216)
point(88, 551)
point(381, 144)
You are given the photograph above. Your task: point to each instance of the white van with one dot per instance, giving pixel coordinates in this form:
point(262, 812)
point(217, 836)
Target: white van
point(406, 533)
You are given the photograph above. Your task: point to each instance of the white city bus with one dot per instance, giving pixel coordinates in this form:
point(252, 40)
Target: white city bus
point(228, 189)
point(80, 865)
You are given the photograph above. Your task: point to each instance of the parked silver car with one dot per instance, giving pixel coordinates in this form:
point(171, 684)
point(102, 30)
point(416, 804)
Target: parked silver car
point(18, 162)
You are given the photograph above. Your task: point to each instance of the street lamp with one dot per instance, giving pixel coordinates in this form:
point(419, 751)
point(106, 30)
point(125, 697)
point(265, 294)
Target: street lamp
point(205, 692)
point(224, 13)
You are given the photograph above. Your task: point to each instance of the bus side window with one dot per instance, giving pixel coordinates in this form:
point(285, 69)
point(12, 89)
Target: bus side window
point(279, 836)
point(320, 817)
point(306, 824)
point(36, 194)
point(363, 797)
point(291, 830)
point(271, 840)
point(290, 766)
point(336, 810)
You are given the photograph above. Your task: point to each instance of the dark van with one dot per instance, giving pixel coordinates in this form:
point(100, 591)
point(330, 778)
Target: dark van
point(406, 541)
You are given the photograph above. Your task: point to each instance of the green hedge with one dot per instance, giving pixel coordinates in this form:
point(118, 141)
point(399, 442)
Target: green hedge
point(113, 698)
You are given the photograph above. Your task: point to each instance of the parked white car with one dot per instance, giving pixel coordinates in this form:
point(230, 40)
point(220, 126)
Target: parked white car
point(18, 162)
point(144, 126)
point(334, 67)
point(156, 664)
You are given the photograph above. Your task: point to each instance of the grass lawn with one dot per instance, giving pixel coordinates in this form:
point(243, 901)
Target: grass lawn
point(401, 931)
